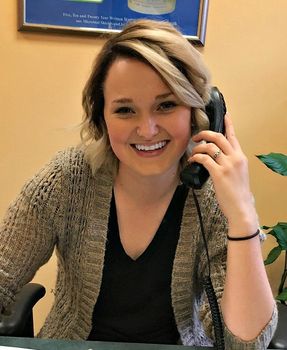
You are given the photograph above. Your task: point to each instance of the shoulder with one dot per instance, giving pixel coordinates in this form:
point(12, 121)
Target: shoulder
point(55, 176)
point(70, 163)
point(76, 170)
point(70, 158)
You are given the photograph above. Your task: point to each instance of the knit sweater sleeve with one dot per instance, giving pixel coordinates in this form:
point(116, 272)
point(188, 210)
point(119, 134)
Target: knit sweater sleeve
point(216, 230)
point(29, 229)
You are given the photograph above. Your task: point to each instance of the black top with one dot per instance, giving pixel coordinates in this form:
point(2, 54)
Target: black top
point(134, 303)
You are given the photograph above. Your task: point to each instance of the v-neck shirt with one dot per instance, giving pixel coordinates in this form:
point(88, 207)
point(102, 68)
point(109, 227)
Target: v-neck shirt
point(134, 304)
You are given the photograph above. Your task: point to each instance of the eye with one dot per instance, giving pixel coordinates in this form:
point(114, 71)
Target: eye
point(167, 106)
point(124, 111)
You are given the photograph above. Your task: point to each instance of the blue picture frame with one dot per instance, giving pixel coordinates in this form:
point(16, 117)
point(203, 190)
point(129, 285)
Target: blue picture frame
point(92, 17)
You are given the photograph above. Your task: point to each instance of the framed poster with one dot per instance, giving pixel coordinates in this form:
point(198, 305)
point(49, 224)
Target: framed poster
point(109, 16)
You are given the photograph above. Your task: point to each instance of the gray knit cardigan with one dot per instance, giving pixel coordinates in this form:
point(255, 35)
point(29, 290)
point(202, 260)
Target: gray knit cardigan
point(66, 207)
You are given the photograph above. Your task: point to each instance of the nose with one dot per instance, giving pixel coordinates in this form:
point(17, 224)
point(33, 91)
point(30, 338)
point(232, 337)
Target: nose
point(147, 127)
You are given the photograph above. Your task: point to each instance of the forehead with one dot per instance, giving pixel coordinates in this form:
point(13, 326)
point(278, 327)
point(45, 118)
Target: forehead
point(129, 75)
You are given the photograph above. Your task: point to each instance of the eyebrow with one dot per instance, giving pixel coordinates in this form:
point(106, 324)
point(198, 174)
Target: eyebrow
point(129, 100)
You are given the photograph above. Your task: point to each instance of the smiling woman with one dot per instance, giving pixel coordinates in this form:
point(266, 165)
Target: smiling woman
point(149, 130)
point(128, 240)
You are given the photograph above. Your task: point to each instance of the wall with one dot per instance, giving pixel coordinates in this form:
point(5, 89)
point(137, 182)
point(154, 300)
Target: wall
point(42, 76)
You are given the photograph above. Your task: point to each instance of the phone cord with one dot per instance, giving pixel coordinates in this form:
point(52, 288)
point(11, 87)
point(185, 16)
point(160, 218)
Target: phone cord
point(209, 290)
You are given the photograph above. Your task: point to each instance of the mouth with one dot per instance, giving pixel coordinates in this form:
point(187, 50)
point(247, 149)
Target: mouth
point(150, 148)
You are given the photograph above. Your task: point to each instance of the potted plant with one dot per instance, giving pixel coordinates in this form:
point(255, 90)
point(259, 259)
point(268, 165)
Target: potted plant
point(277, 162)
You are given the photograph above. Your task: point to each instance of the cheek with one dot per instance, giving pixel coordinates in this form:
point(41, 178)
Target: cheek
point(117, 136)
point(182, 132)
point(183, 140)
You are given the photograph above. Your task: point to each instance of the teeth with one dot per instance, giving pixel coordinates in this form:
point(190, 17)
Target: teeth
point(151, 147)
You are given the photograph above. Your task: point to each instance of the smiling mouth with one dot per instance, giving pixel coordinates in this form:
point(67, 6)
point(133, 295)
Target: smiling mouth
point(149, 148)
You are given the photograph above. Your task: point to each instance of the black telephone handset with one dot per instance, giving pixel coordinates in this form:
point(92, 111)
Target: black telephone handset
point(195, 175)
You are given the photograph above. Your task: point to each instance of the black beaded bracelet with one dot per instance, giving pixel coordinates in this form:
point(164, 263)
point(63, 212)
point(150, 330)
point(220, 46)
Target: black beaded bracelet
point(243, 238)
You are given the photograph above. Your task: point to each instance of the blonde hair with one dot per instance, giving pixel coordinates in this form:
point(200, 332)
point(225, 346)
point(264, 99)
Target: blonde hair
point(172, 56)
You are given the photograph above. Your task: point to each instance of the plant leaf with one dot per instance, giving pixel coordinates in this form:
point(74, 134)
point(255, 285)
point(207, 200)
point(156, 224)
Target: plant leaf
point(266, 227)
point(277, 162)
point(273, 255)
point(279, 231)
point(282, 296)
point(280, 223)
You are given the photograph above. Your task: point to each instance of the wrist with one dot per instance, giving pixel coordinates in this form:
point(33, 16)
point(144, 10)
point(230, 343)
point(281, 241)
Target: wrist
point(244, 224)
point(244, 238)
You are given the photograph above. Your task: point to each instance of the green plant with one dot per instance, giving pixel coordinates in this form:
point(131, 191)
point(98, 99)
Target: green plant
point(277, 162)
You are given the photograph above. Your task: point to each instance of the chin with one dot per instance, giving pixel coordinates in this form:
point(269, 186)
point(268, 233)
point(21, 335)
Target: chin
point(156, 170)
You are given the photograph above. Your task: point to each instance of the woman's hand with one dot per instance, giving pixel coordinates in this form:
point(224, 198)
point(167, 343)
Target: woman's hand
point(228, 167)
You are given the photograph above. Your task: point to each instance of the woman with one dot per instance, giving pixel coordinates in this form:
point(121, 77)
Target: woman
point(129, 246)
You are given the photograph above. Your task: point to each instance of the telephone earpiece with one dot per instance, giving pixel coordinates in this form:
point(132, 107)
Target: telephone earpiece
point(195, 175)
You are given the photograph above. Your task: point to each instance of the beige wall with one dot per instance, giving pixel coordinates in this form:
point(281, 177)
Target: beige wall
point(41, 78)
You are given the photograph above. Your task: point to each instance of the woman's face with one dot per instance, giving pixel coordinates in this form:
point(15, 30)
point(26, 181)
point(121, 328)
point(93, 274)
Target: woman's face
point(148, 128)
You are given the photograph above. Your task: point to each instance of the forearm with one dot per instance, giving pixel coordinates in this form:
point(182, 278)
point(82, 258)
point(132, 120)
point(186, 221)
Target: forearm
point(247, 303)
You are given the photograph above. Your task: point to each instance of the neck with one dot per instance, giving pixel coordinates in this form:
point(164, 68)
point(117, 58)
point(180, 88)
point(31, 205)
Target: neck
point(146, 189)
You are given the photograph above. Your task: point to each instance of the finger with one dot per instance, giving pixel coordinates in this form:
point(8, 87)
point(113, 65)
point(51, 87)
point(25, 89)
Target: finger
point(206, 161)
point(214, 137)
point(230, 132)
point(209, 148)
